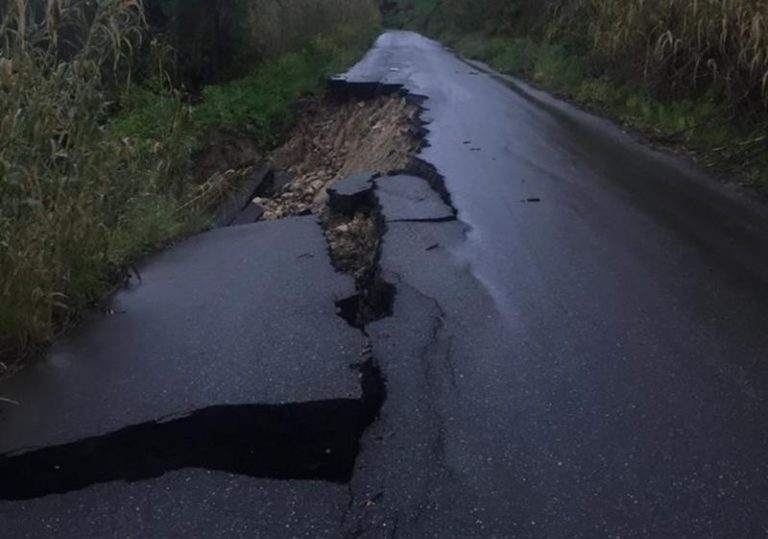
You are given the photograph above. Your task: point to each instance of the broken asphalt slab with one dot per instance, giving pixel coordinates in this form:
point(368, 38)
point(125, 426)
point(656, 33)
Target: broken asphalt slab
point(250, 214)
point(400, 197)
point(410, 198)
point(350, 194)
point(237, 209)
point(242, 315)
point(443, 338)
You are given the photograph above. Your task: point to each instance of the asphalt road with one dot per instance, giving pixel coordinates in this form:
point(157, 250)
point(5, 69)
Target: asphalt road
point(576, 349)
point(596, 365)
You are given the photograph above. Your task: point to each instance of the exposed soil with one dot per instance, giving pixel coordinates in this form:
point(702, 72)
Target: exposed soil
point(334, 141)
point(354, 242)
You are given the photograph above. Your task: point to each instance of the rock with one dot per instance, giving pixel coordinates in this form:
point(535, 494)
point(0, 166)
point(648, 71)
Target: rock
point(321, 197)
point(317, 185)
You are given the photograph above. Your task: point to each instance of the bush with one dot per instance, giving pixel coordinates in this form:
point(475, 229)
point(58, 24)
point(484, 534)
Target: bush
point(685, 49)
point(259, 103)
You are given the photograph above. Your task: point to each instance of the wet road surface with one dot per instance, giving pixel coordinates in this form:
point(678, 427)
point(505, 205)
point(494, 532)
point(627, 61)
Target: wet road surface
point(605, 373)
point(576, 347)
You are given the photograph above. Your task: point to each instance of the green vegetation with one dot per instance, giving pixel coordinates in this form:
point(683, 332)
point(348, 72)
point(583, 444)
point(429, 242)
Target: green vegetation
point(259, 103)
point(98, 135)
point(693, 74)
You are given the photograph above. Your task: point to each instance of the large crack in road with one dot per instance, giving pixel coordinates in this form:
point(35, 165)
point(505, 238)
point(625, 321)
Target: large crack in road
point(312, 440)
point(558, 362)
point(302, 440)
point(598, 347)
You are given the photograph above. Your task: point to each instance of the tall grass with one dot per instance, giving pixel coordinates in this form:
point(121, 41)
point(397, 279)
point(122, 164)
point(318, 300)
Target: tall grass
point(680, 47)
point(76, 200)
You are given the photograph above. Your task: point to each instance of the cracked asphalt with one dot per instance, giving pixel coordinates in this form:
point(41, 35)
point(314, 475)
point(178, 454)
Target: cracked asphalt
point(576, 346)
point(583, 353)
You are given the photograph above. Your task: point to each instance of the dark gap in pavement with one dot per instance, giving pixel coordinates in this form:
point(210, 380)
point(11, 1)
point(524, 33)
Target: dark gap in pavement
point(428, 220)
point(341, 89)
point(374, 302)
point(375, 297)
point(311, 440)
point(316, 440)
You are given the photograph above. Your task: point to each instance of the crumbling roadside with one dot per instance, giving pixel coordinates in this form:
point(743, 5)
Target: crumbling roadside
point(336, 140)
point(333, 141)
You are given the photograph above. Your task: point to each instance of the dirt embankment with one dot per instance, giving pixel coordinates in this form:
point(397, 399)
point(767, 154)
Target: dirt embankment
point(334, 141)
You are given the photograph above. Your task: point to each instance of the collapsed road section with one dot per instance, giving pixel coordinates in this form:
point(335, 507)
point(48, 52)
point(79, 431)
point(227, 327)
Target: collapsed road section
point(238, 316)
point(243, 350)
point(260, 351)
